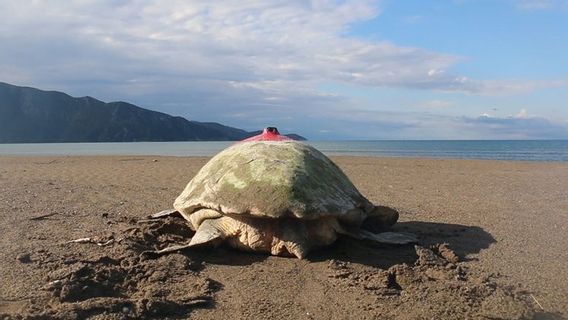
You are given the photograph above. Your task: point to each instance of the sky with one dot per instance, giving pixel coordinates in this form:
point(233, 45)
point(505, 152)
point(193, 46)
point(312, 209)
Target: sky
point(328, 70)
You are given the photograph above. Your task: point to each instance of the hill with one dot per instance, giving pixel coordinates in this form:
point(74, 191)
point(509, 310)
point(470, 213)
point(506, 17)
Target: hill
point(33, 115)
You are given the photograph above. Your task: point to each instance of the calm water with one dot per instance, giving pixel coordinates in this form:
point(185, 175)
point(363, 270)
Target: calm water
point(528, 150)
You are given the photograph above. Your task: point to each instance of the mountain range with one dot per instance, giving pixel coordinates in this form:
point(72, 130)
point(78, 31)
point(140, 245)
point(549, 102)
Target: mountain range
point(29, 115)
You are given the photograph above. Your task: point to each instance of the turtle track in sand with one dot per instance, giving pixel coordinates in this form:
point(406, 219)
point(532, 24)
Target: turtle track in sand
point(122, 282)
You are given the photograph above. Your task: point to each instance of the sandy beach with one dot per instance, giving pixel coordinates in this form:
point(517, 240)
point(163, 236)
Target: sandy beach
point(506, 221)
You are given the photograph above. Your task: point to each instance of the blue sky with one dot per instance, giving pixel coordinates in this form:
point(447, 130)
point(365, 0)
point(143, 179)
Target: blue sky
point(498, 39)
point(444, 69)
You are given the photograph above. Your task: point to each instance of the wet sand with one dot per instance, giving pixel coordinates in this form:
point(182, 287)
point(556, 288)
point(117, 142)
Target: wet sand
point(507, 221)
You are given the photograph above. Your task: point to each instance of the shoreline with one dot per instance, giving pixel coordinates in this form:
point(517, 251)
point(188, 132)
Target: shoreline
point(332, 156)
point(513, 214)
point(511, 150)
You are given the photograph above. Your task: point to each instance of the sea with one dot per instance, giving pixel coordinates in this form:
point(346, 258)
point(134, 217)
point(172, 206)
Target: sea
point(518, 150)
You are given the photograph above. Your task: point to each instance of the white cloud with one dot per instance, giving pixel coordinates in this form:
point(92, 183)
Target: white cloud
point(422, 125)
point(523, 114)
point(296, 43)
point(438, 104)
point(520, 126)
point(498, 87)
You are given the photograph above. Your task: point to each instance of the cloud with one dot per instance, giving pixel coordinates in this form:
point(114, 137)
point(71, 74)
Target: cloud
point(523, 114)
point(497, 87)
point(369, 124)
point(296, 43)
point(438, 104)
point(519, 126)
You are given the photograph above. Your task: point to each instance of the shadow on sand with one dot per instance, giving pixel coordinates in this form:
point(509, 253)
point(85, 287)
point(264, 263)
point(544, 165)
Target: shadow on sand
point(464, 240)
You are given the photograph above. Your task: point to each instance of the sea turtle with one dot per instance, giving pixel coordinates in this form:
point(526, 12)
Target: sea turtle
point(273, 194)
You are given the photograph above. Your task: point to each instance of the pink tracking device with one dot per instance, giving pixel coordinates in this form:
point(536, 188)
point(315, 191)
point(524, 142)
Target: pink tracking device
point(268, 134)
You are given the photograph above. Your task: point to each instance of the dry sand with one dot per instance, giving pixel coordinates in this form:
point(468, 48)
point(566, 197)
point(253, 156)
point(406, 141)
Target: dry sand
point(507, 221)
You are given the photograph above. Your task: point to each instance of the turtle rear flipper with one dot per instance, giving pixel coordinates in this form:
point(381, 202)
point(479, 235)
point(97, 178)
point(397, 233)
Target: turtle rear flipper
point(398, 238)
point(209, 232)
point(164, 214)
point(380, 218)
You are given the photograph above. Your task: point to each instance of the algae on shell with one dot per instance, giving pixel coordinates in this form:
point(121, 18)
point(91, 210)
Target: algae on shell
point(273, 179)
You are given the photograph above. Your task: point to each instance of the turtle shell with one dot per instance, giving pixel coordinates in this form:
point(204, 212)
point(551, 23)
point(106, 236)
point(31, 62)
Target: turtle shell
point(274, 179)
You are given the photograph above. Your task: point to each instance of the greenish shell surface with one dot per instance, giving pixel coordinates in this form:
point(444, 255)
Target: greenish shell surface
point(273, 179)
